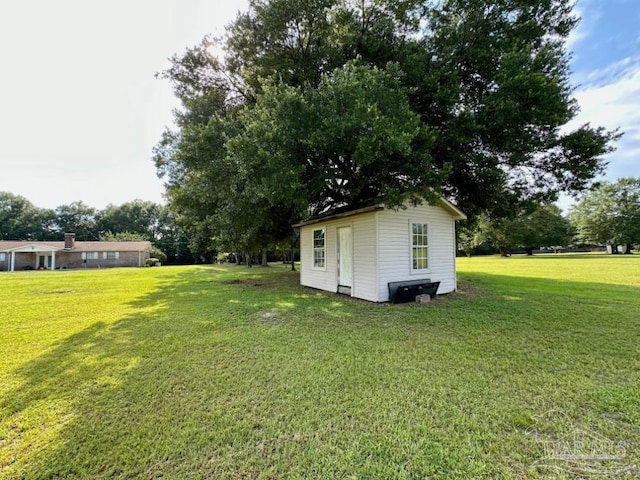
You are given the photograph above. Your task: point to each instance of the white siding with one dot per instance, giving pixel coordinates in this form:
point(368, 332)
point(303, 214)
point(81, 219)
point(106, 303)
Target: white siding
point(364, 256)
point(382, 251)
point(312, 277)
point(395, 247)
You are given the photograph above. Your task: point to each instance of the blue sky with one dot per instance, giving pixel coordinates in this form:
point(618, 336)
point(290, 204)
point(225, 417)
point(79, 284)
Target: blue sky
point(606, 70)
point(80, 109)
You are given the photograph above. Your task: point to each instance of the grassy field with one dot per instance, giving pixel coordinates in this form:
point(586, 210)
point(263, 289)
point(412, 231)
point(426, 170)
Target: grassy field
point(532, 370)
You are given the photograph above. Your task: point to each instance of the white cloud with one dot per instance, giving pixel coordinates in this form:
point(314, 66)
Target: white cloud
point(612, 100)
point(589, 14)
point(611, 73)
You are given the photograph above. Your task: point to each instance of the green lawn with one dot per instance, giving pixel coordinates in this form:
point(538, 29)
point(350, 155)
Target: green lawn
point(229, 372)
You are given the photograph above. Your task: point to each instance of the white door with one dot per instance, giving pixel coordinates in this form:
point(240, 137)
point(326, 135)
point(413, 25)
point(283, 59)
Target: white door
point(344, 256)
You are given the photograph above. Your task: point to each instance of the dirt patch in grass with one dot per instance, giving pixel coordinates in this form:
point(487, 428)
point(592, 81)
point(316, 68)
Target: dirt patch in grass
point(466, 289)
point(270, 316)
point(266, 281)
point(244, 282)
point(58, 291)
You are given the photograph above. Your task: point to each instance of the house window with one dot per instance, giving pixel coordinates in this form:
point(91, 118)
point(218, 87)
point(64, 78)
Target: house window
point(110, 255)
point(90, 255)
point(319, 260)
point(419, 246)
point(3, 256)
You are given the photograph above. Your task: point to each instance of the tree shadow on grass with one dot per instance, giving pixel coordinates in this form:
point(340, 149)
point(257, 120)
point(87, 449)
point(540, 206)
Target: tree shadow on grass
point(57, 387)
point(548, 286)
point(136, 396)
point(183, 387)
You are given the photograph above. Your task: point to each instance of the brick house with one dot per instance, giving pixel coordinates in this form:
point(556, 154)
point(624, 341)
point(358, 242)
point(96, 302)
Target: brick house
point(26, 255)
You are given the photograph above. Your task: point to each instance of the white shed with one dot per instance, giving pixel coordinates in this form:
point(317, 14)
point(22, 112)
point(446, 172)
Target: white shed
point(359, 252)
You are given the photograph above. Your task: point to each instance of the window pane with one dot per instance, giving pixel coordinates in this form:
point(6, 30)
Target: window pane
point(419, 244)
point(318, 248)
point(318, 238)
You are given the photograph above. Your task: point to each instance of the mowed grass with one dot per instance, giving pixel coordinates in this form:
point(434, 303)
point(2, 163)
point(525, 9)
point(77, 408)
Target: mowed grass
point(229, 372)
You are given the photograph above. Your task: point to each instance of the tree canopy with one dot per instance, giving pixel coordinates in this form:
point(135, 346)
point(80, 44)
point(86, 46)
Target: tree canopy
point(136, 217)
point(543, 227)
point(21, 220)
point(610, 213)
point(79, 218)
point(320, 104)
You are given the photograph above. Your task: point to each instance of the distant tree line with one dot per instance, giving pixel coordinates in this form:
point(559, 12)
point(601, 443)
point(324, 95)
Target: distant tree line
point(135, 220)
point(607, 216)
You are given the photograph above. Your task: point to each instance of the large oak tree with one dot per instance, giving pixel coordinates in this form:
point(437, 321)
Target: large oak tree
point(320, 104)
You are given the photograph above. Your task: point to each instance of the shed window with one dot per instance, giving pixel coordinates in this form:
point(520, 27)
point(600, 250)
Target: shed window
point(3, 256)
point(110, 255)
point(419, 246)
point(319, 260)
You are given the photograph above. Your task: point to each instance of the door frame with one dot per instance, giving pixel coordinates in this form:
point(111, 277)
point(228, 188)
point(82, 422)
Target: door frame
point(48, 261)
point(346, 289)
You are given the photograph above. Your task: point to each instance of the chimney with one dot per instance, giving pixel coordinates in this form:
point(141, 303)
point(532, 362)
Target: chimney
point(69, 241)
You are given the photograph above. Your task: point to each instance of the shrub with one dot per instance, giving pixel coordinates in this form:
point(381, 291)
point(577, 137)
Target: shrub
point(151, 262)
point(158, 254)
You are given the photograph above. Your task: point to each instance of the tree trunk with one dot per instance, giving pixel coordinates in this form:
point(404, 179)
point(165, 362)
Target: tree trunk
point(265, 262)
point(247, 257)
point(293, 253)
point(503, 252)
point(529, 250)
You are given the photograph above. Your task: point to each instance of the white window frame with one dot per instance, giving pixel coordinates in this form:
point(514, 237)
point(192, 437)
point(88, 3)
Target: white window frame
point(3, 257)
point(322, 249)
point(90, 256)
point(422, 236)
point(110, 255)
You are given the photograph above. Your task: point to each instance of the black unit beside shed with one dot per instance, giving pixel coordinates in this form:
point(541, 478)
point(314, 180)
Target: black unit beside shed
point(407, 291)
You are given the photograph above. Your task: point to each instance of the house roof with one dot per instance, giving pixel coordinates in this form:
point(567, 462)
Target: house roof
point(338, 213)
point(22, 245)
point(455, 212)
